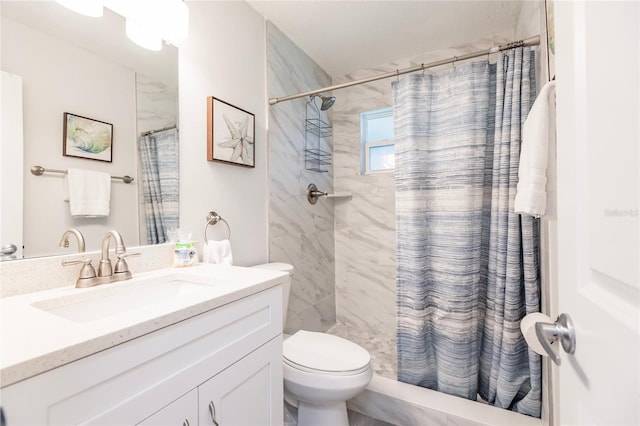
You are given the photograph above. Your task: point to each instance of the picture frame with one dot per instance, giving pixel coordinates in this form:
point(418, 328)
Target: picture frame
point(87, 138)
point(551, 38)
point(230, 134)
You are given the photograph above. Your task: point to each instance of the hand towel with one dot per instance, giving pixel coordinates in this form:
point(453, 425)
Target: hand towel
point(89, 192)
point(538, 133)
point(218, 252)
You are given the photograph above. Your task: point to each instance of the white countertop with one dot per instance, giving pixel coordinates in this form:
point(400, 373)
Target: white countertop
point(35, 339)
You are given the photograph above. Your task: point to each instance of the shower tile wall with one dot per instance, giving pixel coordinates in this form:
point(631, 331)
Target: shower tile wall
point(156, 108)
point(299, 233)
point(365, 225)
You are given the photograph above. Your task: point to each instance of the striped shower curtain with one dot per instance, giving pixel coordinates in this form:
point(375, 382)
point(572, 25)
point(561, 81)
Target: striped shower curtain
point(159, 159)
point(467, 268)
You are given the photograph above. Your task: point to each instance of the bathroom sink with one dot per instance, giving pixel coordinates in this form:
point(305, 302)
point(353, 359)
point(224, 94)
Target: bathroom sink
point(107, 300)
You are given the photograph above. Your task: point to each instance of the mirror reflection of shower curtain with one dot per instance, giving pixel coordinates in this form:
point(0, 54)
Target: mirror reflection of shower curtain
point(467, 269)
point(159, 158)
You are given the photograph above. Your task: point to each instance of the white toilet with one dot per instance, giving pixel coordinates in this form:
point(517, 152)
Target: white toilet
point(321, 371)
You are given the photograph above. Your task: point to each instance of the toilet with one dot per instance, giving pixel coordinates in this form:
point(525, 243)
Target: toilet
point(321, 371)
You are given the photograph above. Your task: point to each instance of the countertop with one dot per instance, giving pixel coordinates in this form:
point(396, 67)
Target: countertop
point(35, 339)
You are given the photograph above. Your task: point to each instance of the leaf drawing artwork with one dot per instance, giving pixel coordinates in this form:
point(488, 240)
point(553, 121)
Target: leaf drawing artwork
point(240, 141)
point(230, 134)
point(87, 138)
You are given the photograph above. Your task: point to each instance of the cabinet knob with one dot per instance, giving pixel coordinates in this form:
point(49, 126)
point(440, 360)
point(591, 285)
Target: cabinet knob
point(212, 413)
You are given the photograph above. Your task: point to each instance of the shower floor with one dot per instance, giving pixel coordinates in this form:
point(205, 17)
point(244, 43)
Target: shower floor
point(381, 349)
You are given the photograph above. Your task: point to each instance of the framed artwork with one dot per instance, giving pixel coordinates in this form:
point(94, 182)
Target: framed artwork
point(551, 39)
point(230, 134)
point(87, 138)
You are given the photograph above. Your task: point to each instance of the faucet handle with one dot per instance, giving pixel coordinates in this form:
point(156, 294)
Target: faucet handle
point(87, 276)
point(127, 254)
point(87, 270)
point(121, 270)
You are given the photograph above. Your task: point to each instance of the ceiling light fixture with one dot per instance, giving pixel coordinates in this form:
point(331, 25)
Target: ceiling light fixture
point(148, 22)
point(93, 8)
point(141, 37)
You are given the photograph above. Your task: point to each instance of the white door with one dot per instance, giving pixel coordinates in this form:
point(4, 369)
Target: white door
point(598, 120)
point(11, 163)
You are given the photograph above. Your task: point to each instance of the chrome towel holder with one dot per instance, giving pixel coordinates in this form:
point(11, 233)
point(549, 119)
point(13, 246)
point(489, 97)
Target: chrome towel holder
point(212, 219)
point(39, 171)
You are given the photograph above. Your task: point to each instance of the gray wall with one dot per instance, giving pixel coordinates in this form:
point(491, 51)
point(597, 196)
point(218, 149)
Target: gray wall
point(299, 233)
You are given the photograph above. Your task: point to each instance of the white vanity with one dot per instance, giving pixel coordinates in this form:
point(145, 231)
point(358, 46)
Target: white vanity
point(191, 346)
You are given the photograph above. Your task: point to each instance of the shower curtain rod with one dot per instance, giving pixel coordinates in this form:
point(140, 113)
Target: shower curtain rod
point(151, 132)
point(531, 41)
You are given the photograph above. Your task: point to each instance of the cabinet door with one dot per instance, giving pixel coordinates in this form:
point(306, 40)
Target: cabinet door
point(181, 412)
point(247, 393)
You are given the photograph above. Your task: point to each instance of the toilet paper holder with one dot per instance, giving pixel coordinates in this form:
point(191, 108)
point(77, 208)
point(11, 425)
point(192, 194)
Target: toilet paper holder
point(561, 330)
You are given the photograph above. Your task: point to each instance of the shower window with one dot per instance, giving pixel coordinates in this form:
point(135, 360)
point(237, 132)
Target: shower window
point(376, 141)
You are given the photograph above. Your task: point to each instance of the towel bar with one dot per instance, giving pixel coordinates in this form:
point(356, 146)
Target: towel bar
point(212, 219)
point(39, 170)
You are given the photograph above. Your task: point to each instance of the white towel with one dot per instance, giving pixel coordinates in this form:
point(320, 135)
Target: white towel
point(88, 193)
point(218, 252)
point(538, 133)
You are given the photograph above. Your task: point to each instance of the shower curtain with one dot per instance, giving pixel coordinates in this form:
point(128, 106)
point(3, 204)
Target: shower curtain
point(159, 158)
point(467, 268)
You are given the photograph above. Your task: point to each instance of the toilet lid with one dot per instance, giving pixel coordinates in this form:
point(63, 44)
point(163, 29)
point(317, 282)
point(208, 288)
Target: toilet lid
point(324, 352)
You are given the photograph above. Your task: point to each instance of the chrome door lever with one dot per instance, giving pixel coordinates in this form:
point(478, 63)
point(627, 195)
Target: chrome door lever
point(562, 330)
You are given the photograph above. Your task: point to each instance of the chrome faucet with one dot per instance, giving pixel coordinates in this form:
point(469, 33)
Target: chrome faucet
point(106, 273)
point(64, 241)
point(121, 272)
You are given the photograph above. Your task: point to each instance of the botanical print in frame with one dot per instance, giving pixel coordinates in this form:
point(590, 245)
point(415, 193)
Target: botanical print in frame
point(230, 134)
point(551, 38)
point(87, 138)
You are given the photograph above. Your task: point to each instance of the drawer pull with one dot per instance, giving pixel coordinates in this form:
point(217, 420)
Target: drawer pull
point(186, 422)
point(212, 413)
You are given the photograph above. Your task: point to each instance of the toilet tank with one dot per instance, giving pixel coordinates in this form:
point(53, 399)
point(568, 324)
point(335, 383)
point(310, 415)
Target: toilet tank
point(286, 288)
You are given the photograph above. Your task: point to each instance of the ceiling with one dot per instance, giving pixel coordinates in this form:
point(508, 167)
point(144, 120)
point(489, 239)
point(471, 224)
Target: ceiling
point(345, 36)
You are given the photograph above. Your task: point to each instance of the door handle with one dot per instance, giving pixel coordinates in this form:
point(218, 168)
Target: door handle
point(562, 330)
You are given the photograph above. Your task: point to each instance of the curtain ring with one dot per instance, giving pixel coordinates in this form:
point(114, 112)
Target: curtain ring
point(455, 58)
point(397, 75)
point(423, 69)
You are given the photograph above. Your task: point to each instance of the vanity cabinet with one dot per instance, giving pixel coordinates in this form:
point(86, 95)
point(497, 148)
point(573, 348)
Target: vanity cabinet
point(226, 362)
point(183, 411)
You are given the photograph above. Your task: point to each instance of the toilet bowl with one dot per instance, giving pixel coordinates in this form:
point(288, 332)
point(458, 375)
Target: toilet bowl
point(321, 371)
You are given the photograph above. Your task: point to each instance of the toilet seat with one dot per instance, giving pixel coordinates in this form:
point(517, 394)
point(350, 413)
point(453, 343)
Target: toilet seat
point(324, 354)
point(323, 372)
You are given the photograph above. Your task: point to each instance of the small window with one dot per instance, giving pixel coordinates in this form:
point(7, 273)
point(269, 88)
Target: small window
point(376, 138)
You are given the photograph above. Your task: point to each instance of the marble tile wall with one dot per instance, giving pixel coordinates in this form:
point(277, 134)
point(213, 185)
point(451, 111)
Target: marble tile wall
point(365, 225)
point(299, 233)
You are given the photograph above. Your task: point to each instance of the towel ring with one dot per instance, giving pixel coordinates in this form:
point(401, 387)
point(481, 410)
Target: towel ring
point(212, 219)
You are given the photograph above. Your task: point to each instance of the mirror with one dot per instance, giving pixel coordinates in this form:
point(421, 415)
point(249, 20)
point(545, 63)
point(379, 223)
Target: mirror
point(87, 67)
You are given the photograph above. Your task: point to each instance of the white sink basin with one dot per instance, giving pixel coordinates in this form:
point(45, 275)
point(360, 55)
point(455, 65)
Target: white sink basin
point(107, 300)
